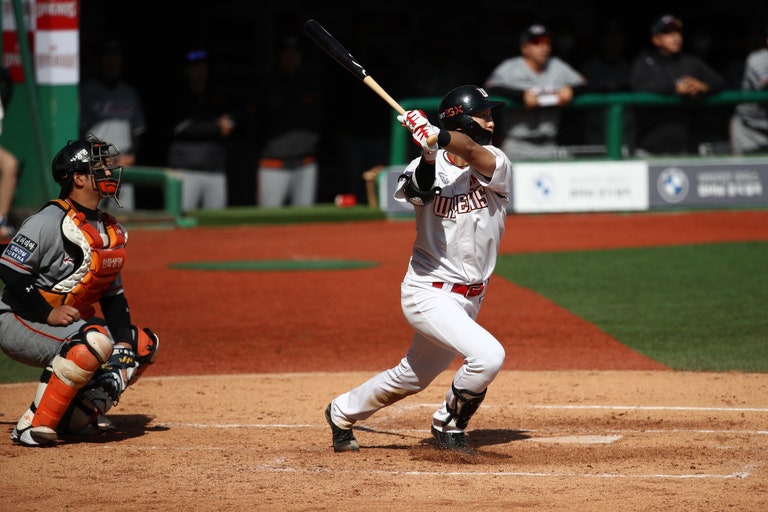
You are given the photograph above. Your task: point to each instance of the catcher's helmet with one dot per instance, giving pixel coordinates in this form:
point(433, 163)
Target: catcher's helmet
point(458, 105)
point(88, 156)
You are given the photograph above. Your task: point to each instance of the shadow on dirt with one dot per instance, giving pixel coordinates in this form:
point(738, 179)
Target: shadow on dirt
point(126, 426)
point(486, 437)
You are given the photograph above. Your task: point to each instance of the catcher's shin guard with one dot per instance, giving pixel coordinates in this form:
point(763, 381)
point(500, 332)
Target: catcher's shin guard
point(464, 407)
point(145, 343)
point(70, 370)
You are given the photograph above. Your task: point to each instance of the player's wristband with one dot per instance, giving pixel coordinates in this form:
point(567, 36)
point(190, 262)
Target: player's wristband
point(443, 138)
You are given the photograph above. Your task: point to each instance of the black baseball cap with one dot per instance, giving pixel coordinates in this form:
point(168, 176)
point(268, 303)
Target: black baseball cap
point(666, 24)
point(534, 33)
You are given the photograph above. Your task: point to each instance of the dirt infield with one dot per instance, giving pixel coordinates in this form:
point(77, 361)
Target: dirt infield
point(563, 440)
point(231, 417)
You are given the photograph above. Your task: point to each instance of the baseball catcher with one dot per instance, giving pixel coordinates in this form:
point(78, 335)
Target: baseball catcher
point(64, 260)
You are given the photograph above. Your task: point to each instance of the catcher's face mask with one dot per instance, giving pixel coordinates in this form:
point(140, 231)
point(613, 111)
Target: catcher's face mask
point(106, 177)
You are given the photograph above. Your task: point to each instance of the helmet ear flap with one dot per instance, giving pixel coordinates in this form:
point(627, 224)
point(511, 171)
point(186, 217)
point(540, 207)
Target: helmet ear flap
point(458, 105)
point(478, 134)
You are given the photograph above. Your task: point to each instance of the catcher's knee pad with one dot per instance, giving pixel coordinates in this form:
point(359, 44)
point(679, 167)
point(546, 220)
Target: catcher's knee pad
point(81, 357)
point(97, 340)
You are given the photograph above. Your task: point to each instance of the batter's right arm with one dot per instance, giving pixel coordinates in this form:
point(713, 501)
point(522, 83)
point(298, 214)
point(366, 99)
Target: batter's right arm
point(478, 157)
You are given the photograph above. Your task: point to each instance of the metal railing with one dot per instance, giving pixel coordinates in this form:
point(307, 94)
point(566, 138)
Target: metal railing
point(614, 104)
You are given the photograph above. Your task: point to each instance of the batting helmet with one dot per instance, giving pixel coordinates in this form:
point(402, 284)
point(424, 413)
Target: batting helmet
point(458, 105)
point(87, 156)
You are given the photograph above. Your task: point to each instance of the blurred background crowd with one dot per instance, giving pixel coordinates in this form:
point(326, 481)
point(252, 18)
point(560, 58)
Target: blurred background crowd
point(411, 51)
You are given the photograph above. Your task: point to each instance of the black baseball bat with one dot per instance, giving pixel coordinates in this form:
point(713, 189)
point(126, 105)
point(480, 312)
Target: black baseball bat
point(340, 54)
point(336, 50)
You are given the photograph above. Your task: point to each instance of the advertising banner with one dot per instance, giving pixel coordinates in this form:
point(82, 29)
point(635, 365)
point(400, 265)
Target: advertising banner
point(580, 186)
point(11, 48)
point(697, 183)
point(57, 45)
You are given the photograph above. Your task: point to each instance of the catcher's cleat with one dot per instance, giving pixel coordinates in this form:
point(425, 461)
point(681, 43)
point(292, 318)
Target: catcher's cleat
point(453, 441)
point(343, 438)
point(35, 436)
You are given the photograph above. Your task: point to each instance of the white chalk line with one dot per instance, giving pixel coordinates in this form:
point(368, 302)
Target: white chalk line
point(745, 472)
point(586, 432)
point(535, 406)
point(611, 407)
point(654, 408)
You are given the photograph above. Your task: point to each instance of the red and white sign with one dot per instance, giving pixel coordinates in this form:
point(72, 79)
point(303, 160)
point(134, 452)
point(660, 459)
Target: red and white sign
point(11, 48)
point(53, 34)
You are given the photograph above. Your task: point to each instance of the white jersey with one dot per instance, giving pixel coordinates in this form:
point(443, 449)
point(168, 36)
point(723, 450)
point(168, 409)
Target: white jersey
point(458, 233)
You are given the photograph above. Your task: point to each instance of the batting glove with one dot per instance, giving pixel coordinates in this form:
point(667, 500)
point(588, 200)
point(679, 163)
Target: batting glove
point(421, 132)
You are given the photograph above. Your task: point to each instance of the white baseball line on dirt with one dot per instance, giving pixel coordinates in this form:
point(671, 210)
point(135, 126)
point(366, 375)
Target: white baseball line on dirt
point(589, 436)
point(744, 473)
point(609, 407)
point(653, 408)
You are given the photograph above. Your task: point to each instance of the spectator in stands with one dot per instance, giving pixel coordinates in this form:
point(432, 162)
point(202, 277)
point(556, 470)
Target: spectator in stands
point(111, 109)
point(9, 164)
point(666, 69)
point(290, 114)
point(540, 83)
point(607, 71)
point(749, 124)
point(202, 123)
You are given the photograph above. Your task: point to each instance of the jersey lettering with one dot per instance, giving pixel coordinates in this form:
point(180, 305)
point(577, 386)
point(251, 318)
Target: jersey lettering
point(449, 207)
point(25, 242)
point(17, 254)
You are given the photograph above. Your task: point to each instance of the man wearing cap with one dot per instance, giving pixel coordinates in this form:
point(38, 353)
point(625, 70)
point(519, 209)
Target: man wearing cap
point(666, 69)
point(112, 109)
point(540, 83)
point(749, 124)
point(202, 126)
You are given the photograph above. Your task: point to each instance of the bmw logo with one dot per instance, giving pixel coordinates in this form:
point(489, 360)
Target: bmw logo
point(672, 184)
point(543, 186)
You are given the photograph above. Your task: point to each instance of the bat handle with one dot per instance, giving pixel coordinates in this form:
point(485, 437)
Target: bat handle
point(370, 82)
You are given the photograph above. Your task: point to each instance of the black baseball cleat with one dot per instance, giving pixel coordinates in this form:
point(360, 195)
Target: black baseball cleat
point(453, 441)
point(343, 438)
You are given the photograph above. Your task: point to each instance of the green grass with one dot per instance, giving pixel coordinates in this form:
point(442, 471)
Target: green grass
point(691, 307)
point(11, 371)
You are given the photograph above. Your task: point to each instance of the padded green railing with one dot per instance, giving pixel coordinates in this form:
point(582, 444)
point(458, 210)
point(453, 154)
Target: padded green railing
point(170, 181)
point(614, 104)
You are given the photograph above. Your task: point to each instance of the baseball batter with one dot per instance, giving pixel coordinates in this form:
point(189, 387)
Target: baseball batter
point(64, 260)
point(460, 194)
